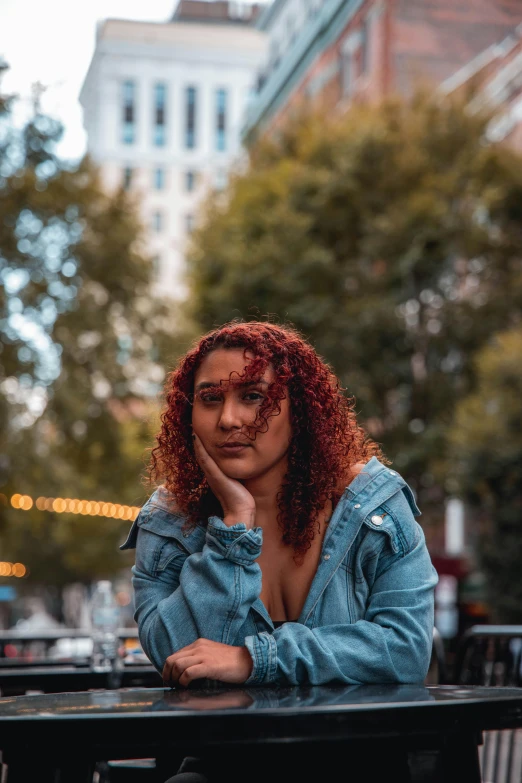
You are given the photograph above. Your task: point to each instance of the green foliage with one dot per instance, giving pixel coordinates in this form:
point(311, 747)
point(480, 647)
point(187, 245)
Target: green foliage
point(391, 238)
point(487, 463)
point(84, 346)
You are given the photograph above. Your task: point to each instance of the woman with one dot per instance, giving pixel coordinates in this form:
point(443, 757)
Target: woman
point(279, 546)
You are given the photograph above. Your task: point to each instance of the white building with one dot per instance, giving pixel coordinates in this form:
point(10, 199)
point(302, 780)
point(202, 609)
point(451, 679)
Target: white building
point(163, 107)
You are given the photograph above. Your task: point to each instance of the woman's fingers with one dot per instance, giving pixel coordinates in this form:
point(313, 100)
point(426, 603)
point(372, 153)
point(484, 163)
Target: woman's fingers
point(207, 464)
point(194, 672)
point(237, 503)
point(206, 658)
point(177, 664)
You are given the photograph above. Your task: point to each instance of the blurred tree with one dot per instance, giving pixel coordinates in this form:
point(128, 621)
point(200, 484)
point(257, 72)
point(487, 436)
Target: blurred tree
point(84, 345)
point(486, 461)
point(390, 236)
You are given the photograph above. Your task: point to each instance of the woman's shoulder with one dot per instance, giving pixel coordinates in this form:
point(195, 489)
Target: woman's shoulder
point(349, 475)
point(160, 512)
point(383, 494)
point(160, 515)
point(165, 499)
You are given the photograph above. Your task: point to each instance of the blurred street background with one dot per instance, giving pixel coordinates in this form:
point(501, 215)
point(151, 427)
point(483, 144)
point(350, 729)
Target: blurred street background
point(353, 167)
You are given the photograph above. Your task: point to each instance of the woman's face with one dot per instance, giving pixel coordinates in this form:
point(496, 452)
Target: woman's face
point(222, 415)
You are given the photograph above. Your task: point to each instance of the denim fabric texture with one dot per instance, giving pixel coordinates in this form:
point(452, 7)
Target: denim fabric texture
point(368, 617)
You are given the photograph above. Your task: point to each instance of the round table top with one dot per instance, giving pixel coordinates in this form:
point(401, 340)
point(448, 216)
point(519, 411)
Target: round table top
point(147, 722)
point(222, 700)
point(129, 720)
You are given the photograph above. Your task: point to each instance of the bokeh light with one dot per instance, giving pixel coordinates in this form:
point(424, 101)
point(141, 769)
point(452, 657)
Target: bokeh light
point(73, 506)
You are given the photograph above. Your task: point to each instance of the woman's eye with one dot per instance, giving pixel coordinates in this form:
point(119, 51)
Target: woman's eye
point(208, 397)
point(253, 397)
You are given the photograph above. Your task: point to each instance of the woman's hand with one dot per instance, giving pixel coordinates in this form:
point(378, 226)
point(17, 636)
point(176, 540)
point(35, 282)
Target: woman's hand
point(236, 501)
point(204, 658)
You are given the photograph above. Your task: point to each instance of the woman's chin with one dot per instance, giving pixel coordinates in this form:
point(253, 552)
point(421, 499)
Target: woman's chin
point(238, 473)
point(235, 470)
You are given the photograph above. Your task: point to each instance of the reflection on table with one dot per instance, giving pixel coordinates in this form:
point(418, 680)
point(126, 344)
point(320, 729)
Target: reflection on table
point(61, 735)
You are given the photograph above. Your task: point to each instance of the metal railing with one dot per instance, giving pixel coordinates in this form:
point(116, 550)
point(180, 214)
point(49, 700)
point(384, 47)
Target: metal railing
point(491, 655)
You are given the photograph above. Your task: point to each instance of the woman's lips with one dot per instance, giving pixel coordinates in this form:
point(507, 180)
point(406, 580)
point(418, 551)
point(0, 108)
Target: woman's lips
point(234, 448)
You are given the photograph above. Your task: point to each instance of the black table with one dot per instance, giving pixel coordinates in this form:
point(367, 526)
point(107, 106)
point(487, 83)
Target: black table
point(59, 737)
point(16, 680)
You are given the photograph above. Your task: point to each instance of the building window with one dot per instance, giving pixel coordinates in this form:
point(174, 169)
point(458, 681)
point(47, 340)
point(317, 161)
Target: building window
point(309, 7)
point(157, 222)
point(365, 45)
point(160, 99)
point(129, 112)
point(291, 31)
point(250, 96)
point(274, 57)
point(127, 178)
point(221, 120)
point(190, 181)
point(189, 223)
point(347, 72)
point(220, 179)
point(190, 117)
point(159, 179)
point(351, 61)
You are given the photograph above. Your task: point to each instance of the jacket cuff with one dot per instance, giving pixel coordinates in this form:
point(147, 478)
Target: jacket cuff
point(234, 542)
point(263, 649)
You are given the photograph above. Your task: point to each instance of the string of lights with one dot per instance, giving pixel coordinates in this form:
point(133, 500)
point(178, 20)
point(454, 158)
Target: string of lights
point(12, 569)
point(93, 508)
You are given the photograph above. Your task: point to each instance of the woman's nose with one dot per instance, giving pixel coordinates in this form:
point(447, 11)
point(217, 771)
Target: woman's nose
point(230, 415)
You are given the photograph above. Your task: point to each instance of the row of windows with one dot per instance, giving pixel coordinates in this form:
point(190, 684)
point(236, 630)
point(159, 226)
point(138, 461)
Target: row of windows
point(190, 179)
point(157, 222)
point(160, 116)
point(355, 62)
point(290, 30)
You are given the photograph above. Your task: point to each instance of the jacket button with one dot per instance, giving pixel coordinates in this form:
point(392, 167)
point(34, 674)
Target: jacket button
point(357, 505)
point(376, 520)
point(326, 557)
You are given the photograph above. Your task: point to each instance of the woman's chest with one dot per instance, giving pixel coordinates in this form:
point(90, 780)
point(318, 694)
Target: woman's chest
point(285, 582)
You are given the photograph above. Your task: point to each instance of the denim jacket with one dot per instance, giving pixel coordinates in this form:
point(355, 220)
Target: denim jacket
point(368, 617)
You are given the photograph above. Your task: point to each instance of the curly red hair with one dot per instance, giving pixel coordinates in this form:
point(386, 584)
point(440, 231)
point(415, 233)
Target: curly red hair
point(327, 441)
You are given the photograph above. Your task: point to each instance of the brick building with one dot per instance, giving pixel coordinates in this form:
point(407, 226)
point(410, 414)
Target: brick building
point(338, 51)
point(495, 78)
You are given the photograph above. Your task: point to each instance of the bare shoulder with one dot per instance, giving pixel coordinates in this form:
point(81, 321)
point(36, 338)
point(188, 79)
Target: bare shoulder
point(167, 500)
point(355, 470)
point(347, 478)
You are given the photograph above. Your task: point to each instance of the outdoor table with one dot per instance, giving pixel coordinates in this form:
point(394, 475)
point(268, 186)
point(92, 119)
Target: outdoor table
point(54, 678)
point(60, 736)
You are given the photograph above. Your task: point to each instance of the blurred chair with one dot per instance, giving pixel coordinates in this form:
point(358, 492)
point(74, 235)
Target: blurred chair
point(491, 655)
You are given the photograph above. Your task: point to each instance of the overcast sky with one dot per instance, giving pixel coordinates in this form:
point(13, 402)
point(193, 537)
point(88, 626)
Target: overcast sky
point(52, 41)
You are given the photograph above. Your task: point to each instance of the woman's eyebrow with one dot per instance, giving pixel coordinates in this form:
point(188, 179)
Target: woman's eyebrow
point(213, 384)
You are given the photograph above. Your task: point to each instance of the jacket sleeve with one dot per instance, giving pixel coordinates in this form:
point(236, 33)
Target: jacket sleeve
point(207, 594)
point(392, 644)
